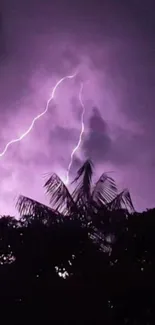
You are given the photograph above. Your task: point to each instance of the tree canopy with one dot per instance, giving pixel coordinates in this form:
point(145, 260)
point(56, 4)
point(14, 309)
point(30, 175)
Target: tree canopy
point(87, 256)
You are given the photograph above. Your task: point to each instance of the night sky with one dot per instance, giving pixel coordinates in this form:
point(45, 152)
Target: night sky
point(112, 44)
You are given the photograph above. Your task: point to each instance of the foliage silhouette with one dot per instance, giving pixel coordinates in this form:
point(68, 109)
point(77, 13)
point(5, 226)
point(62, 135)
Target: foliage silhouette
point(83, 200)
point(84, 258)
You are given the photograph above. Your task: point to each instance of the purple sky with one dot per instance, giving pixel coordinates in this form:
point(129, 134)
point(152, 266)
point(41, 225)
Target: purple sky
point(112, 44)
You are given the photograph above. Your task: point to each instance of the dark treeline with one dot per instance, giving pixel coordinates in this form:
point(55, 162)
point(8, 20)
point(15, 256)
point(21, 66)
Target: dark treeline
point(89, 257)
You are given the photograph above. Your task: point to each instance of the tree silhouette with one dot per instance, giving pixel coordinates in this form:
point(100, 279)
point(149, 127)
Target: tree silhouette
point(87, 257)
point(85, 200)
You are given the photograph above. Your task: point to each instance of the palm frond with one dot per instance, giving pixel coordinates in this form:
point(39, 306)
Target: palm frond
point(84, 179)
point(60, 197)
point(122, 201)
point(29, 207)
point(105, 190)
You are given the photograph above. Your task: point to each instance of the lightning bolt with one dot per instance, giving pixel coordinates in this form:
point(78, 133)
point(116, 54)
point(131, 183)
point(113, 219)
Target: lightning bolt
point(38, 116)
point(80, 136)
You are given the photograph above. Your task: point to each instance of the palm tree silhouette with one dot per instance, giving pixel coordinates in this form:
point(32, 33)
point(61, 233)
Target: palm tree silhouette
point(84, 201)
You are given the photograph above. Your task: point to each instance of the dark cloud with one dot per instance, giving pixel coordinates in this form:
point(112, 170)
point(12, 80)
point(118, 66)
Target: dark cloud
point(3, 52)
point(64, 134)
point(126, 148)
point(97, 143)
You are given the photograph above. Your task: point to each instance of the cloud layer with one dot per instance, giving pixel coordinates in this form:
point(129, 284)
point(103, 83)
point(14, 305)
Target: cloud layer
point(112, 46)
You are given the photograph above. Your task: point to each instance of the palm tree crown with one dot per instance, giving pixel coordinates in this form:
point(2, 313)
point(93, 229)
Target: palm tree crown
point(84, 201)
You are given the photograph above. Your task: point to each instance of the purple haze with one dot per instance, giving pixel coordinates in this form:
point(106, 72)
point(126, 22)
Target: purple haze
point(113, 47)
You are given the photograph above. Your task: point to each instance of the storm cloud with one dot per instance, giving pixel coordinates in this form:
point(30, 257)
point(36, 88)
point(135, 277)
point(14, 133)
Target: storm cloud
point(97, 144)
point(111, 44)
